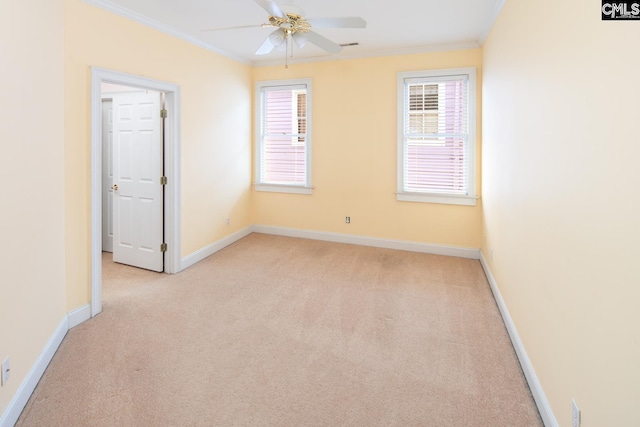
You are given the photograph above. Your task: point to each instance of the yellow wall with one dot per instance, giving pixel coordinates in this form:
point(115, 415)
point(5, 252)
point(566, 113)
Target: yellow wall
point(216, 138)
point(354, 155)
point(561, 199)
point(32, 288)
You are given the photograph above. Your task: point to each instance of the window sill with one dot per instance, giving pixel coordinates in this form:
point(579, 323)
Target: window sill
point(446, 199)
point(280, 188)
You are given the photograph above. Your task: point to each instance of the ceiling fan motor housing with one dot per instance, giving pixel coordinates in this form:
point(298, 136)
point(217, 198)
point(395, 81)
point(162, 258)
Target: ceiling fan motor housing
point(291, 23)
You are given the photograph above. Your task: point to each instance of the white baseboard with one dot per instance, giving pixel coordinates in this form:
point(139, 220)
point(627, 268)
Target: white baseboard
point(30, 382)
point(79, 315)
point(20, 399)
point(540, 398)
point(370, 241)
point(201, 254)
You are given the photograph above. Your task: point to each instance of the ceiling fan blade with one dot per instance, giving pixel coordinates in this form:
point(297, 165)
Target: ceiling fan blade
point(346, 22)
point(271, 7)
point(323, 42)
point(300, 39)
point(236, 28)
point(266, 47)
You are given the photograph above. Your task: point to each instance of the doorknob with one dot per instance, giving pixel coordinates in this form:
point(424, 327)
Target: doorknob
point(114, 187)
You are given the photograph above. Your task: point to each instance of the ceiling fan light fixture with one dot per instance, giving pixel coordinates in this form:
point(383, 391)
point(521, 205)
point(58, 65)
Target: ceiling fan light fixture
point(283, 47)
point(277, 37)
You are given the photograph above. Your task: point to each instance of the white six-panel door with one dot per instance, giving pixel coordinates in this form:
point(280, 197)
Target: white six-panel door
point(107, 175)
point(137, 191)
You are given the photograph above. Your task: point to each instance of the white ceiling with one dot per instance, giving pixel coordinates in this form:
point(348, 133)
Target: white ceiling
point(393, 26)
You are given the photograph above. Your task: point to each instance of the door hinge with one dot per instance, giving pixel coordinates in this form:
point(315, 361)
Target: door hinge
point(163, 180)
point(163, 247)
point(163, 113)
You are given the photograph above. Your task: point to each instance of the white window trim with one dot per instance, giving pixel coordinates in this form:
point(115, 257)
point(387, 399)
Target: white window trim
point(283, 188)
point(453, 199)
point(307, 187)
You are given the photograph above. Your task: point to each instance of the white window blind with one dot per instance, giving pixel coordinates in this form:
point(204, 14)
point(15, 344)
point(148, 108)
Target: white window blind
point(283, 140)
point(436, 134)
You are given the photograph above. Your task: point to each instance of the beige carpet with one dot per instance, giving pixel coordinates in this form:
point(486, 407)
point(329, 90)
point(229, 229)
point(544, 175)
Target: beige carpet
point(290, 332)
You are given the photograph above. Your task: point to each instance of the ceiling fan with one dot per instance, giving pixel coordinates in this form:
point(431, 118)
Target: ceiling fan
point(291, 26)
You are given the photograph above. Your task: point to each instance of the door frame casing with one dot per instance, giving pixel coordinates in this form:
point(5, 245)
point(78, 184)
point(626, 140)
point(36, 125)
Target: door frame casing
point(171, 171)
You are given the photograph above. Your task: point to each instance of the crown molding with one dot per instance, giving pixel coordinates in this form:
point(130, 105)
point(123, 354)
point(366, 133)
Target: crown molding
point(495, 11)
point(373, 53)
point(157, 25)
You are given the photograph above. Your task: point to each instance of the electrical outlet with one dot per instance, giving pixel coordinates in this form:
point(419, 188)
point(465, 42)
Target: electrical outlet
point(347, 219)
point(228, 221)
point(5, 370)
point(575, 414)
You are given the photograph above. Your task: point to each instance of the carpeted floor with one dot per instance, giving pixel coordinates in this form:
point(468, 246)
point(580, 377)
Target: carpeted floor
point(290, 332)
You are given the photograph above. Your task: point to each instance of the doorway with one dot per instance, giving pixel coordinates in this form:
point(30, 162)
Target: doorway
point(171, 228)
point(132, 176)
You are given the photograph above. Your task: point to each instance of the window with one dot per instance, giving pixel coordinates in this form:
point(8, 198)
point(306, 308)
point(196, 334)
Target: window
point(436, 136)
point(299, 101)
point(283, 140)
